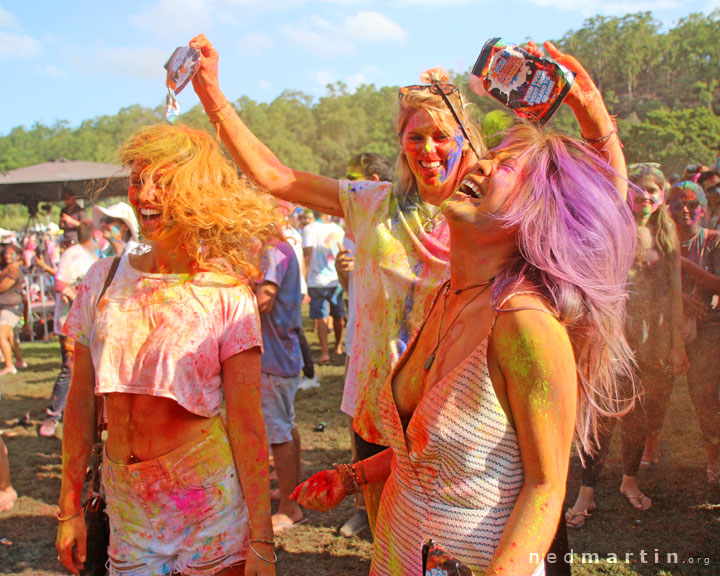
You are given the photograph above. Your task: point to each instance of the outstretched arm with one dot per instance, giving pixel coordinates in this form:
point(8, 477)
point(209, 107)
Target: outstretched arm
point(596, 125)
point(538, 383)
point(254, 158)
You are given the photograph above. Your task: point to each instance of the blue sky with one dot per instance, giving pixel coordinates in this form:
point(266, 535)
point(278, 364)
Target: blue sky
point(74, 60)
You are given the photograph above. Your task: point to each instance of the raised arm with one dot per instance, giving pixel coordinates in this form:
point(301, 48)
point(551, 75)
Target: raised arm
point(598, 128)
point(254, 158)
point(535, 357)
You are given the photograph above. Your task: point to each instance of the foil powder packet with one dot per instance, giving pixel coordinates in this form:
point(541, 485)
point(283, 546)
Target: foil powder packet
point(182, 65)
point(534, 87)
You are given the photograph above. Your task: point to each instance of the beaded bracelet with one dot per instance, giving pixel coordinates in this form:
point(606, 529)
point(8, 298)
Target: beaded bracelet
point(262, 541)
point(274, 558)
point(349, 478)
point(66, 518)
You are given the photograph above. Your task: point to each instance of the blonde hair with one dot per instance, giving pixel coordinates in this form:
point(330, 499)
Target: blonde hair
point(413, 101)
point(222, 220)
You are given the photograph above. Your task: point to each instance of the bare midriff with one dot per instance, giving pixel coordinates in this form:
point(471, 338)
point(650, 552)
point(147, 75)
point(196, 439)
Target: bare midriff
point(143, 427)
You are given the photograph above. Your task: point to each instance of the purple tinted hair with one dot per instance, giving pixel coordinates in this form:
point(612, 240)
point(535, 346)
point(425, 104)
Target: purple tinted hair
point(576, 238)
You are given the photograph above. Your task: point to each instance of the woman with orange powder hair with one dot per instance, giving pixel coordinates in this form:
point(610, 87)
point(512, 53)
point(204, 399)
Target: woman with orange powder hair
point(163, 336)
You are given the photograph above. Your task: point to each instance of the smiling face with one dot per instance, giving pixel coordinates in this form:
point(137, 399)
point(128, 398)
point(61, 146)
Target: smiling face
point(146, 198)
point(434, 155)
point(686, 209)
point(648, 196)
point(485, 191)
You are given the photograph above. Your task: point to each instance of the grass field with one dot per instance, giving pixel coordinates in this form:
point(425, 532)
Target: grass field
point(684, 521)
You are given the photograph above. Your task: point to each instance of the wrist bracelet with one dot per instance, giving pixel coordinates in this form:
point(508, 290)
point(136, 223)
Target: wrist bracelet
point(349, 478)
point(262, 541)
point(66, 518)
point(359, 470)
point(603, 139)
point(217, 116)
point(274, 558)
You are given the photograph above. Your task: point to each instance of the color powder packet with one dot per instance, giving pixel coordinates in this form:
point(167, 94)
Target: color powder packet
point(534, 87)
point(182, 65)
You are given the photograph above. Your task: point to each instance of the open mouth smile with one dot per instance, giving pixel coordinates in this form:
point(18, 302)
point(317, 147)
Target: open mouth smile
point(470, 188)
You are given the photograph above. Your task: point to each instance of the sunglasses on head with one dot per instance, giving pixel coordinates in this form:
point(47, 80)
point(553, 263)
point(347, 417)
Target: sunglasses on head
point(678, 205)
point(443, 89)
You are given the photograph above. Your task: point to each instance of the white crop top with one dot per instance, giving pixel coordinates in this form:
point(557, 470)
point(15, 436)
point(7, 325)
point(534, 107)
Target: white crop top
point(163, 334)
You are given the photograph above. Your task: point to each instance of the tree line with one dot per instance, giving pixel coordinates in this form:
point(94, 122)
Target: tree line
point(662, 86)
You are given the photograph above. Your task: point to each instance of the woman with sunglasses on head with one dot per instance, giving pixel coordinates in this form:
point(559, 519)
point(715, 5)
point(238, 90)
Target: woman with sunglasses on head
point(164, 339)
point(700, 248)
point(654, 327)
point(523, 348)
point(401, 252)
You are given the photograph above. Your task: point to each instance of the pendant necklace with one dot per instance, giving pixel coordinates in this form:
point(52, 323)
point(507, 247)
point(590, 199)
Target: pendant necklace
point(431, 358)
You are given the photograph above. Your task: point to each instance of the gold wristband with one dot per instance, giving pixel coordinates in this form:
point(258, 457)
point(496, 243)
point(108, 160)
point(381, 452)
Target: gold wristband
point(66, 518)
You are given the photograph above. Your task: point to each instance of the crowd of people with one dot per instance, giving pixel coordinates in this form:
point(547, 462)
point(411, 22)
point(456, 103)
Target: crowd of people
point(501, 305)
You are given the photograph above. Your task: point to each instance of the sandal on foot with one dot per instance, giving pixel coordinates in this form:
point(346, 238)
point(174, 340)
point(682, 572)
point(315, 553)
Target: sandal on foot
point(576, 520)
point(640, 501)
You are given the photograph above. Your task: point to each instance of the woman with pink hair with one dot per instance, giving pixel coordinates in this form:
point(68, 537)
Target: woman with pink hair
point(521, 351)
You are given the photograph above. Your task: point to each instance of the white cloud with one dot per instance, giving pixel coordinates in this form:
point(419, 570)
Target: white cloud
point(143, 63)
point(7, 19)
point(255, 43)
point(325, 38)
point(54, 71)
point(264, 84)
point(713, 4)
point(591, 7)
point(18, 46)
point(174, 17)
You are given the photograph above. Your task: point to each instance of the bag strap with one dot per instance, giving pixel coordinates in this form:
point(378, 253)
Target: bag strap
point(100, 405)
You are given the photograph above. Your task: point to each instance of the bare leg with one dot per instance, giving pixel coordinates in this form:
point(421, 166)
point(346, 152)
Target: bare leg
point(6, 336)
point(323, 330)
point(8, 496)
point(338, 329)
point(286, 466)
point(15, 343)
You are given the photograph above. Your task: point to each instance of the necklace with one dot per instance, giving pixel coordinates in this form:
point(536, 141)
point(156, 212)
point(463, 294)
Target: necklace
point(431, 358)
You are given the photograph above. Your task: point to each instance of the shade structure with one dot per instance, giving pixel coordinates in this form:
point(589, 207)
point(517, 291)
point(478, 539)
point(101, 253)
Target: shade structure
point(46, 182)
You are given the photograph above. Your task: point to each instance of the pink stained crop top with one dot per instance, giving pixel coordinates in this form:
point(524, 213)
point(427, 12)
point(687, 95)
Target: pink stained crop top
point(163, 334)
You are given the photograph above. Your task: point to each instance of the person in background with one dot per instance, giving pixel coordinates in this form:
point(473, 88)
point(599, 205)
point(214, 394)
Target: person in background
point(700, 249)
point(368, 167)
point(293, 236)
point(119, 227)
point(654, 328)
point(278, 299)
point(710, 182)
point(71, 215)
point(74, 264)
point(320, 246)
point(11, 307)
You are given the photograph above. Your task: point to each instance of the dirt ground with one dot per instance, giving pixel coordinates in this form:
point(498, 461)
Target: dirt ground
point(684, 521)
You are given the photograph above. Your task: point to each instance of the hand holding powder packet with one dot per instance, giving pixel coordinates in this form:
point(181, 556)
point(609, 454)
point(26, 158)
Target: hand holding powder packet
point(532, 86)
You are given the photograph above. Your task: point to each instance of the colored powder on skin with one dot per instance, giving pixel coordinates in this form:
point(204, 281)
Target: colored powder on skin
point(453, 157)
